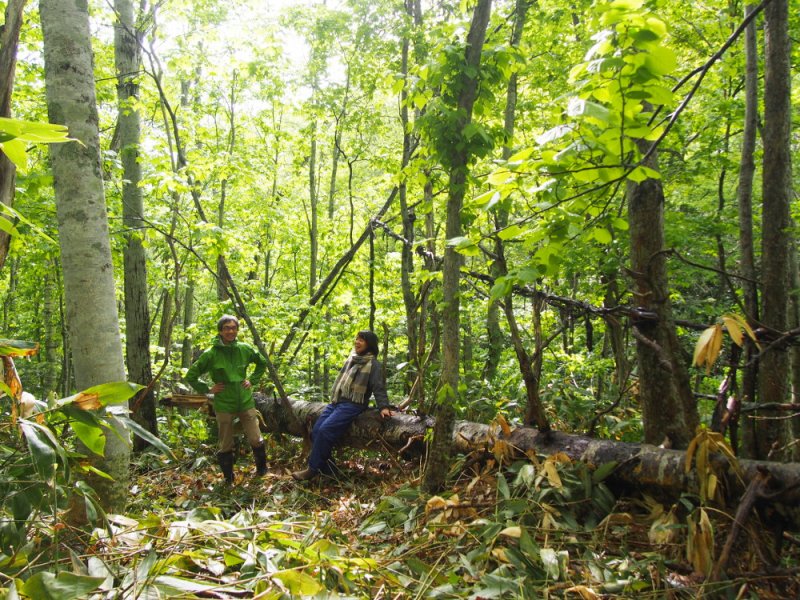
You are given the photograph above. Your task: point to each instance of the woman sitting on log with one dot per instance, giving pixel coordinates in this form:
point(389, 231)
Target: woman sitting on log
point(359, 379)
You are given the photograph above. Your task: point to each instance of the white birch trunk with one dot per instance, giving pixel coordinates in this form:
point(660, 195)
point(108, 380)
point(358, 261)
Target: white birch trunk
point(90, 295)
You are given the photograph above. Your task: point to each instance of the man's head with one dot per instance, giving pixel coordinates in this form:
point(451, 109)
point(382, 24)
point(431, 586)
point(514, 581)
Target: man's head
point(228, 328)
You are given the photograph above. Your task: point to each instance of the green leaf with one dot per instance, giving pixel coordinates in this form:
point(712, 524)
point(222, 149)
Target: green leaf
point(502, 486)
point(500, 176)
point(93, 437)
point(642, 173)
point(15, 152)
point(177, 586)
point(104, 394)
point(64, 586)
point(603, 471)
point(602, 235)
point(42, 452)
point(16, 348)
point(146, 436)
point(298, 583)
point(511, 232)
point(578, 107)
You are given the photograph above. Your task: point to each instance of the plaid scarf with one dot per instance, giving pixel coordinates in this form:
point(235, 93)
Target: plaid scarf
point(352, 382)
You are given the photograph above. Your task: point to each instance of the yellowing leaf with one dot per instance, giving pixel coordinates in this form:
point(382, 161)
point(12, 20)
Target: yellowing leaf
point(732, 325)
point(500, 555)
point(298, 583)
point(585, 592)
point(552, 474)
point(708, 346)
point(87, 401)
point(513, 532)
point(501, 421)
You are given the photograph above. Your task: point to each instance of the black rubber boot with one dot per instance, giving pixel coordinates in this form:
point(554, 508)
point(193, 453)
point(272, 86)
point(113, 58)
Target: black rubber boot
point(260, 456)
point(225, 460)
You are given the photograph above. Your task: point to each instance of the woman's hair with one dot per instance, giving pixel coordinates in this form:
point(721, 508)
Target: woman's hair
point(226, 319)
point(372, 341)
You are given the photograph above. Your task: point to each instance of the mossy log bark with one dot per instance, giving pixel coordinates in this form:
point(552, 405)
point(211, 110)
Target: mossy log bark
point(640, 467)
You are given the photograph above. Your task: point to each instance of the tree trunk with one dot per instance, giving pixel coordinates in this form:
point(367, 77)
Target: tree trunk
point(668, 406)
point(9, 39)
point(187, 348)
point(639, 467)
point(439, 458)
point(50, 354)
point(408, 217)
point(94, 335)
point(495, 342)
point(747, 169)
point(137, 312)
point(771, 435)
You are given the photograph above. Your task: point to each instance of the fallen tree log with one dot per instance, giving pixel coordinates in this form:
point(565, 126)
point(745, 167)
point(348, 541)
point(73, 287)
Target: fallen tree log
point(639, 467)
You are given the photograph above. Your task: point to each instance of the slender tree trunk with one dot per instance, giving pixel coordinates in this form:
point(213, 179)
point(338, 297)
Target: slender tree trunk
point(9, 38)
point(747, 169)
point(668, 405)
point(771, 434)
point(51, 344)
point(441, 447)
point(166, 322)
point(408, 216)
point(187, 348)
point(313, 239)
point(137, 312)
point(94, 335)
point(495, 341)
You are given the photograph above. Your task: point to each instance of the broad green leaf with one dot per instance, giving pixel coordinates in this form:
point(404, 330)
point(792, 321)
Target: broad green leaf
point(93, 437)
point(146, 436)
point(500, 176)
point(523, 154)
point(298, 583)
point(642, 173)
point(16, 348)
point(178, 586)
point(602, 235)
point(15, 152)
point(578, 107)
point(103, 395)
point(628, 5)
point(603, 471)
point(502, 486)
point(42, 452)
point(20, 217)
point(511, 232)
point(64, 586)
point(501, 288)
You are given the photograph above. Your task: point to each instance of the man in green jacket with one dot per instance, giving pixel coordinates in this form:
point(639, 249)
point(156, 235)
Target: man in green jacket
point(226, 364)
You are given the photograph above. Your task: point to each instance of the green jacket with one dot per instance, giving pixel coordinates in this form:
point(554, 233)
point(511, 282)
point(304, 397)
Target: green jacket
point(228, 364)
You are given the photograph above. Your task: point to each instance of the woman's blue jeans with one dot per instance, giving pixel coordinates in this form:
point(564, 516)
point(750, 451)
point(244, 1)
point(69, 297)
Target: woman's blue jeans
point(331, 425)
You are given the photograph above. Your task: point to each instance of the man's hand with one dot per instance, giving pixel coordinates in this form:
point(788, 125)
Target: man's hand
point(246, 384)
point(386, 412)
point(217, 388)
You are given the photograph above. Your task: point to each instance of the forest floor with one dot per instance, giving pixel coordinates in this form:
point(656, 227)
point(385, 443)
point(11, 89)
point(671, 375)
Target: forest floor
point(543, 528)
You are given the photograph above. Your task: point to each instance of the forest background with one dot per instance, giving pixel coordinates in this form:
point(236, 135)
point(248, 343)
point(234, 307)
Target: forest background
point(547, 225)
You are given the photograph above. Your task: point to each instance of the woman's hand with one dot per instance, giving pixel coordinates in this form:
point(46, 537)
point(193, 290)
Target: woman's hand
point(386, 412)
point(217, 388)
point(246, 384)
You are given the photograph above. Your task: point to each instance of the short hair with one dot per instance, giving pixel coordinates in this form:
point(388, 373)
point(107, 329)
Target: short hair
point(226, 319)
point(372, 341)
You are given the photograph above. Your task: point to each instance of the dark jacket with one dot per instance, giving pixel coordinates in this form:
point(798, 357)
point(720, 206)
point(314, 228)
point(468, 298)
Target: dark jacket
point(228, 364)
point(376, 386)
